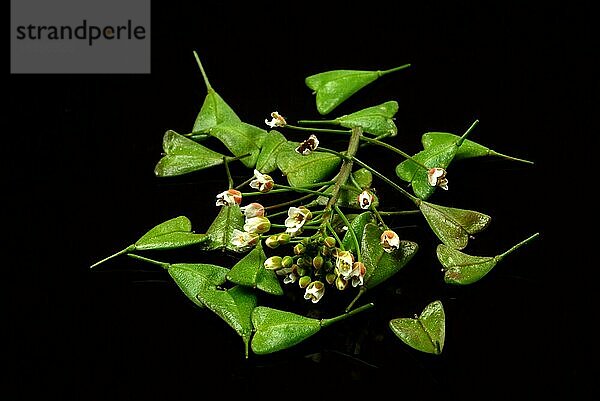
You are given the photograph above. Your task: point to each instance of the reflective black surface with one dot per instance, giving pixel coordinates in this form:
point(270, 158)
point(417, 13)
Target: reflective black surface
point(81, 153)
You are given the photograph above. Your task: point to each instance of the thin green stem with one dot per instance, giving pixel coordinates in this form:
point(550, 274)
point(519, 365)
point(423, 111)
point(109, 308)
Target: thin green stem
point(301, 189)
point(327, 322)
point(314, 185)
point(164, 265)
point(284, 204)
point(208, 87)
point(130, 248)
point(355, 183)
point(243, 184)
point(361, 291)
point(394, 149)
point(520, 244)
point(494, 153)
point(400, 212)
point(285, 190)
point(413, 198)
point(352, 233)
point(346, 168)
point(467, 132)
point(324, 122)
point(229, 178)
point(332, 231)
point(325, 130)
point(374, 210)
point(402, 67)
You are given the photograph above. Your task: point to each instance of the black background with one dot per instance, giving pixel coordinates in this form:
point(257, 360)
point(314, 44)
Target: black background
point(79, 168)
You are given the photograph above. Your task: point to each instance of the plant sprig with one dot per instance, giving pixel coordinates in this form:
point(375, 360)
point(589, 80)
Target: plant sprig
point(331, 235)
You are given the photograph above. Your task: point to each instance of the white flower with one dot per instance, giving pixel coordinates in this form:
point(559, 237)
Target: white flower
point(297, 216)
point(437, 177)
point(308, 146)
point(257, 225)
point(390, 241)
point(314, 291)
point(290, 278)
point(253, 210)
point(365, 199)
point(276, 121)
point(262, 182)
point(343, 262)
point(358, 274)
point(229, 198)
point(242, 239)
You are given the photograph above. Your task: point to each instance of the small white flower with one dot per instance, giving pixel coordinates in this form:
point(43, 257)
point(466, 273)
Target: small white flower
point(253, 210)
point(257, 225)
point(365, 199)
point(277, 120)
point(229, 198)
point(390, 241)
point(308, 146)
point(343, 262)
point(290, 278)
point(437, 177)
point(314, 291)
point(242, 239)
point(297, 216)
point(358, 274)
point(262, 182)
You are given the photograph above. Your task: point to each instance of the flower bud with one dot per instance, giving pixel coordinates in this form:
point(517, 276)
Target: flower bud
point(284, 238)
point(253, 210)
point(301, 271)
point(317, 262)
point(299, 249)
point(272, 242)
point(340, 283)
point(257, 225)
point(304, 281)
point(330, 278)
point(329, 242)
point(303, 262)
point(287, 261)
point(273, 263)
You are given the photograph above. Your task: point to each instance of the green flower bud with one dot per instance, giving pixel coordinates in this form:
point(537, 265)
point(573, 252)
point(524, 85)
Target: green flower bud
point(273, 263)
point(303, 262)
point(304, 281)
point(284, 238)
point(330, 242)
point(299, 249)
point(287, 261)
point(272, 241)
point(301, 271)
point(330, 278)
point(317, 262)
